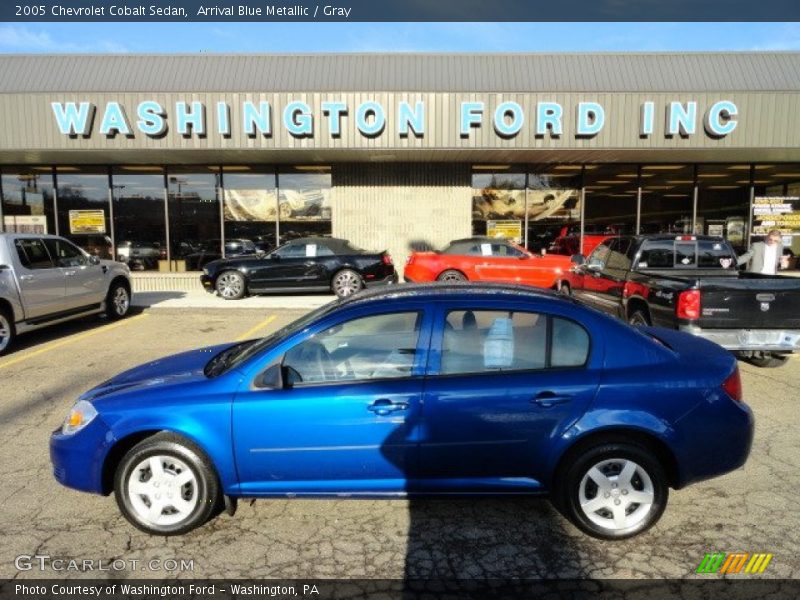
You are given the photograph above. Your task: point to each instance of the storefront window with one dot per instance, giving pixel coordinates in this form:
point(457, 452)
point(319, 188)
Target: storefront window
point(667, 198)
point(250, 204)
point(611, 197)
point(723, 200)
point(194, 219)
point(554, 209)
point(28, 200)
point(498, 203)
point(777, 206)
point(83, 212)
point(304, 202)
point(140, 231)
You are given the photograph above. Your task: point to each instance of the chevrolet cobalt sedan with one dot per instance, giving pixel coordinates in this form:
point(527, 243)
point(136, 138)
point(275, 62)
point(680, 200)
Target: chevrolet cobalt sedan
point(417, 390)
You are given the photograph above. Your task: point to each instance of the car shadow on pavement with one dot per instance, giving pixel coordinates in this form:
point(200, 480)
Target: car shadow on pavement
point(39, 337)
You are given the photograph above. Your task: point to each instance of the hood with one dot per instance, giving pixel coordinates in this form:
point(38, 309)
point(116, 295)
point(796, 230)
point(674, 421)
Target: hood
point(182, 367)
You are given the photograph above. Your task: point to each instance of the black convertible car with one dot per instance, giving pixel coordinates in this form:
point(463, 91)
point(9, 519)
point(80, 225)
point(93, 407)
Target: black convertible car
point(306, 264)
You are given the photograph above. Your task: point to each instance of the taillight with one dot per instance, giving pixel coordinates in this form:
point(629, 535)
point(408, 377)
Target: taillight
point(733, 385)
point(387, 260)
point(688, 305)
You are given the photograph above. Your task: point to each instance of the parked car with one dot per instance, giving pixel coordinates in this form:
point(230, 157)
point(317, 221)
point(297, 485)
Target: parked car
point(46, 280)
point(210, 251)
point(306, 264)
point(141, 255)
point(691, 283)
point(421, 389)
point(489, 260)
point(568, 242)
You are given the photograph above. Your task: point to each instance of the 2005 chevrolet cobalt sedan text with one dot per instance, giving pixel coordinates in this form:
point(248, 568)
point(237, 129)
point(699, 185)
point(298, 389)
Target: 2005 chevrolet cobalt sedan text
point(419, 390)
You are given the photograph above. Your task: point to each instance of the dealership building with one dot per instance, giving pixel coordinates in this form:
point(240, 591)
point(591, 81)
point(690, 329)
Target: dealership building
point(160, 159)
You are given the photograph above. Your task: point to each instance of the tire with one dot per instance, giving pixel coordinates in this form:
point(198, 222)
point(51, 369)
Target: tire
point(638, 318)
point(118, 300)
point(180, 461)
point(346, 283)
point(451, 276)
point(768, 360)
point(7, 331)
point(616, 515)
point(231, 285)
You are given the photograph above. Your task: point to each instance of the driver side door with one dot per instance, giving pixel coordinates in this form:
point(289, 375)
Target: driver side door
point(345, 417)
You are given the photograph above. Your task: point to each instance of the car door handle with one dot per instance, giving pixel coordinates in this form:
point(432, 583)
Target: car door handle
point(26, 277)
point(548, 399)
point(384, 407)
point(69, 273)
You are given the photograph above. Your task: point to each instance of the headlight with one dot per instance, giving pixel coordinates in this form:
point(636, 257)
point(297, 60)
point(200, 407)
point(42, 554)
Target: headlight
point(79, 417)
point(206, 271)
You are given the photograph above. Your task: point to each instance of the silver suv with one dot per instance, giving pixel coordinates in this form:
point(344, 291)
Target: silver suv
point(46, 280)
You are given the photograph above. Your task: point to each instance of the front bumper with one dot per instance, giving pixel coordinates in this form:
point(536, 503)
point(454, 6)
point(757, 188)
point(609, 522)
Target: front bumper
point(208, 283)
point(388, 280)
point(78, 459)
point(765, 340)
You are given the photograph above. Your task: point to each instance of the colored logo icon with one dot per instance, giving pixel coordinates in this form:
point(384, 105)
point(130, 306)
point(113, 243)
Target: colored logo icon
point(734, 563)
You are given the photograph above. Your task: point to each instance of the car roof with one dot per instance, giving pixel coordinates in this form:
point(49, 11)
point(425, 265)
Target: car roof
point(333, 243)
point(444, 291)
point(480, 238)
point(30, 235)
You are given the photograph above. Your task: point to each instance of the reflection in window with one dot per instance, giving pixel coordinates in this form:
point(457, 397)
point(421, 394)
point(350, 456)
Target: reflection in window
point(723, 201)
point(193, 217)
point(139, 223)
point(27, 200)
point(373, 347)
point(304, 203)
point(83, 214)
point(667, 199)
point(498, 204)
point(250, 204)
point(611, 193)
point(554, 209)
point(782, 182)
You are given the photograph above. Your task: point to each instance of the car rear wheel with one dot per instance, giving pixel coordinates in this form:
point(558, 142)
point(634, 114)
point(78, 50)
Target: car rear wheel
point(165, 486)
point(231, 285)
point(451, 276)
point(7, 331)
point(346, 283)
point(613, 491)
point(639, 317)
point(118, 301)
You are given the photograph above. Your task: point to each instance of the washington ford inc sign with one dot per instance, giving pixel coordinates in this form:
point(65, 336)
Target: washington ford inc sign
point(152, 119)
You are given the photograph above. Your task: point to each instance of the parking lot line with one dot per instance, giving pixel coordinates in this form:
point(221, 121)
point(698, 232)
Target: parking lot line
point(60, 343)
point(248, 334)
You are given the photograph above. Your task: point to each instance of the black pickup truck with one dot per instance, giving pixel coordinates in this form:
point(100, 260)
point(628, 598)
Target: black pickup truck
point(691, 283)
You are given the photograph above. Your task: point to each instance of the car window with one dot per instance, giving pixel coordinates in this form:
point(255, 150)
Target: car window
point(476, 341)
point(505, 250)
point(599, 255)
point(33, 254)
point(618, 254)
point(64, 253)
point(292, 251)
point(657, 254)
point(374, 347)
point(713, 254)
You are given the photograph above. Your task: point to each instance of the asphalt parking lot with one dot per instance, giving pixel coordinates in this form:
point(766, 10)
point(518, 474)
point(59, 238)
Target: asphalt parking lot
point(752, 510)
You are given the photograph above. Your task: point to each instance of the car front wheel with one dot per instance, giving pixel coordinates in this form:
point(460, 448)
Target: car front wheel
point(231, 285)
point(165, 486)
point(613, 491)
point(451, 276)
point(118, 301)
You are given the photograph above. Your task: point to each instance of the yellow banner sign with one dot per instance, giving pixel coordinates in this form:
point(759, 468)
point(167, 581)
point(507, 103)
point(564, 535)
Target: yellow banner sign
point(87, 221)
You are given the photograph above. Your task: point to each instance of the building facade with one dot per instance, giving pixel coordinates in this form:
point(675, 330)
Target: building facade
point(168, 161)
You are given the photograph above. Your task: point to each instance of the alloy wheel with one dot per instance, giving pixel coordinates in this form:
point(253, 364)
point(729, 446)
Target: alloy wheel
point(229, 285)
point(163, 490)
point(5, 332)
point(121, 301)
point(346, 284)
point(616, 494)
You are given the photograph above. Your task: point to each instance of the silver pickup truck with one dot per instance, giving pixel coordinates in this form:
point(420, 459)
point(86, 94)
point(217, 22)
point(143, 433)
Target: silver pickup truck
point(46, 280)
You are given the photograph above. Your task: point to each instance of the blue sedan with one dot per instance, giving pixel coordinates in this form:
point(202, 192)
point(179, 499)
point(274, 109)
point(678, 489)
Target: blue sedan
point(417, 390)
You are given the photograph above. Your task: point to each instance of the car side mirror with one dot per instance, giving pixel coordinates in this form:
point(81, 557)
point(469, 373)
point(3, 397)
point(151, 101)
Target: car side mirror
point(577, 259)
point(272, 378)
point(93, 260)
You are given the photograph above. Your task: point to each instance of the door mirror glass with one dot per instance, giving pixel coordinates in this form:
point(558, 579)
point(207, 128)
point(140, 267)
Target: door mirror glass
point(93, 260)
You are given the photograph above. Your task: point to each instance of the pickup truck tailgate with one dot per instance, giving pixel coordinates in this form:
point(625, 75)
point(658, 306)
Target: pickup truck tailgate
point(750, 301)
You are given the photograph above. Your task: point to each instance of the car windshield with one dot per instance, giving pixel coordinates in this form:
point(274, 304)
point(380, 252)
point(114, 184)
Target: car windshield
point(240, 353)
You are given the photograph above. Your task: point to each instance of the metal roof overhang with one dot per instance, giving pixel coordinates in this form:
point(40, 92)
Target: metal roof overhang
point(344, 155)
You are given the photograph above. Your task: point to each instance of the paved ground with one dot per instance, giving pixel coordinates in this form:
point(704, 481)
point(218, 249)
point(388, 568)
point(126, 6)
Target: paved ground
point(754, 509)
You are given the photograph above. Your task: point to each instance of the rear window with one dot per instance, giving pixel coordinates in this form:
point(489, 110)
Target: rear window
point(686, 254)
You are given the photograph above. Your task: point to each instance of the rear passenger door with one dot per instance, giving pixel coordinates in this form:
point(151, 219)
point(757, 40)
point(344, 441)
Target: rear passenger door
point(41, 282)
point(502, 380)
